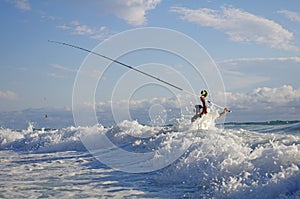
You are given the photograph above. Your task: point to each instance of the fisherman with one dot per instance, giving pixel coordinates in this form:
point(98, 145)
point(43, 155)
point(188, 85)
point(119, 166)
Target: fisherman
point(202, 109)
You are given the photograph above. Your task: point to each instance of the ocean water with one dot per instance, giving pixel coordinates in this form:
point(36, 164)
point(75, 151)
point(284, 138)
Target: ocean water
point(241, 160)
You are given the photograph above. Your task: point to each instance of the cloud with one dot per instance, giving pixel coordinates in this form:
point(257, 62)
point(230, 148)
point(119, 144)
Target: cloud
point(239, 80)
point(241, 26)
point(50, 18)
point(293, 16)
point(132, 11)
point(56, 76)
point(23, 5)
point(63, 68)
point(241, 73)
point(139, 104)
point(260, 59)
point(264, 103)
point(78, 28)
point(259, 104)
point(63, 27)
point(88, 73)
point(180, 101)
point(285, 95)
point(9, 95)
point(81, 29)
point(60, 67)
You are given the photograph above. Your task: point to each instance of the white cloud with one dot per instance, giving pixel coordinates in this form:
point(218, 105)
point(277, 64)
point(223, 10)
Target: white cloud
point(240, 80)
point(21, 4)
point(132, 11)
point(50, 18)
point(241, 73)
point(180, 101)
point(64, 27)
point(82, 30)
point(77, 28)
point(264, 103)
point(281, 96)
point(259, 104)
point(260, 59)
point(241, 26)
point(9, 95)
point(293, 16)
point(56, 76)
point(60, 67)
point(88, 73)
point(138, 104)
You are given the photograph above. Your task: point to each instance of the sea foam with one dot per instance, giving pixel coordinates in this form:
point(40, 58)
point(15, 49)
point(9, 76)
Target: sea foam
point(233, 162)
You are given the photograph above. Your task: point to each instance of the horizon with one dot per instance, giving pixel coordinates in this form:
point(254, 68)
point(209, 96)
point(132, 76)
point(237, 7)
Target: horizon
point(62, 118)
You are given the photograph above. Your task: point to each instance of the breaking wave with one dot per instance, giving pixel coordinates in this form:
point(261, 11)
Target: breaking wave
point(239, 161)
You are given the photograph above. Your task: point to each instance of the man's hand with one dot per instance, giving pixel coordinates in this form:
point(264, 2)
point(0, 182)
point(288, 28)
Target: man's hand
point(226, 110)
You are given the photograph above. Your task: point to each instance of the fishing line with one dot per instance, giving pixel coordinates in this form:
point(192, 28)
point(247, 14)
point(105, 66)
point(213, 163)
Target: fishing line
point(130, 67)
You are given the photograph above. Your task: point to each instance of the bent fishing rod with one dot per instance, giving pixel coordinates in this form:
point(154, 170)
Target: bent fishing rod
point(118, 62)
point(130, 67)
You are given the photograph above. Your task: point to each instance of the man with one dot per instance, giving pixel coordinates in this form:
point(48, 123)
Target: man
point(201, 110)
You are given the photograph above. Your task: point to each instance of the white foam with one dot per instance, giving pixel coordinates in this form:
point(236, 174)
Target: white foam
point(234, 166)
point(223, 163)
point(41, 140)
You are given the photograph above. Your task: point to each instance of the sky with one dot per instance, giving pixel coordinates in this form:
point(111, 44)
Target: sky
point(254, 44)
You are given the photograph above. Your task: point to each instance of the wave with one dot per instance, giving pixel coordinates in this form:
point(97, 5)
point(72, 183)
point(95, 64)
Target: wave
point(233, 162)
point(274, 122)
point(278, 126)
point(41, 140)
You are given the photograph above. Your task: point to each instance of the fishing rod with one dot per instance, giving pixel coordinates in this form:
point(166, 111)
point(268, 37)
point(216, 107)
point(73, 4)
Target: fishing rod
point(221, 107)
point(130, 67)
point(118, 62)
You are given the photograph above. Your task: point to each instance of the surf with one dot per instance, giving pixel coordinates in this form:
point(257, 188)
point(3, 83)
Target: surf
point(238, 161)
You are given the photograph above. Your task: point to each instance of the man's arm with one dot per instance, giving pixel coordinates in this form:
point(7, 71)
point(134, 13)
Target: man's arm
point(226, 110)
point(203, 104)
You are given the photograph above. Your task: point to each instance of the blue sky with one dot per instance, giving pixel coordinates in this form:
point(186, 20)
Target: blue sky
point(255, 44)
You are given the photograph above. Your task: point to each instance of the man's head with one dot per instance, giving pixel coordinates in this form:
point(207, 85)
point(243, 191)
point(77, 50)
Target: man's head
point(204, 93)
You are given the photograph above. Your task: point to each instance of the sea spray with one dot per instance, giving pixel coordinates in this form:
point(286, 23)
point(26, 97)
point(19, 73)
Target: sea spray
point(234, 162)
